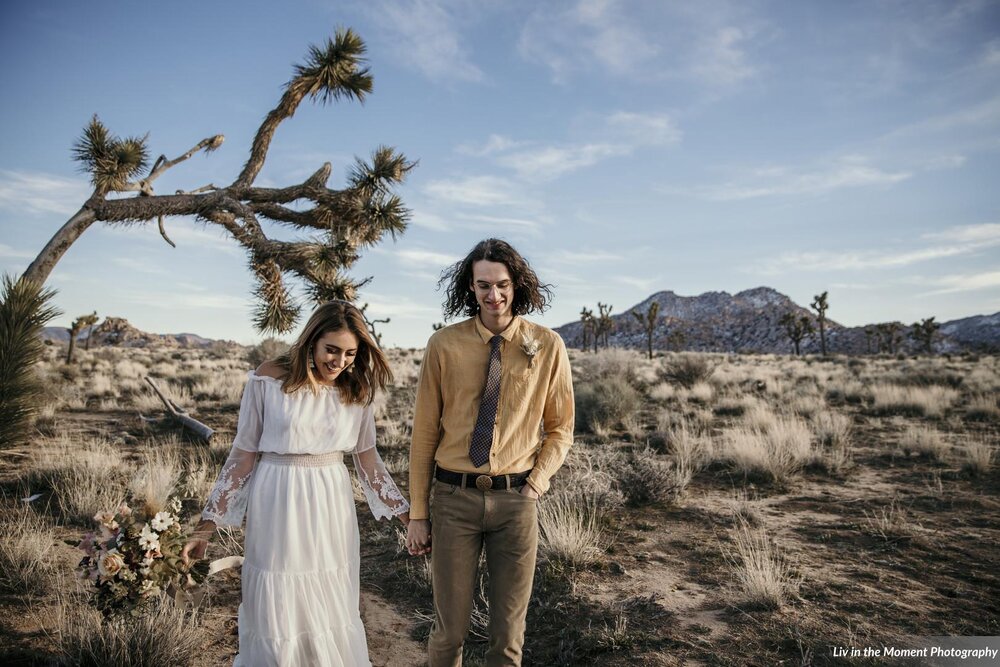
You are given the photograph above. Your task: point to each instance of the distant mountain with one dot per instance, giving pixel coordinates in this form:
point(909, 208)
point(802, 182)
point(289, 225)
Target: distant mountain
point(748, 322)
point(117, 331)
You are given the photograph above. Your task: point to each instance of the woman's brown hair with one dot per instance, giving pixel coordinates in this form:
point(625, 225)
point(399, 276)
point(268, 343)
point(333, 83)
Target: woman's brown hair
point(530, 295)
point(358, 383)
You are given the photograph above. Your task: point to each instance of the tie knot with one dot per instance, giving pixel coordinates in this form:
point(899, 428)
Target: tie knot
point(495, 341)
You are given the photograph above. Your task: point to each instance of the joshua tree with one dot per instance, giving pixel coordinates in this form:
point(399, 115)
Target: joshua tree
point(342, 222)
point(889, 336)
point(820, 305)
point(648, 322)
point(90, 331)
point(870, 333)
point(675, 339)
point(78, 325)
point(437, 326)
point(605, 325)
point(797, 327)
point(924, 333)
point(589, 327)
point(371, 325)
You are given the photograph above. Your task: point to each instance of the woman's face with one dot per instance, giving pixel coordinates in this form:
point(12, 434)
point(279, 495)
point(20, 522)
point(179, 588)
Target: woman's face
point(333, 353)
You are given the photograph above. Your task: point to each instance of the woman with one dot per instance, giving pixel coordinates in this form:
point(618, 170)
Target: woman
point(301, 412)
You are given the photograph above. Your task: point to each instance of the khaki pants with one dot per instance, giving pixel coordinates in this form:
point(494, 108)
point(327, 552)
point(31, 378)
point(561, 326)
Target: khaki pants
point(464, 521)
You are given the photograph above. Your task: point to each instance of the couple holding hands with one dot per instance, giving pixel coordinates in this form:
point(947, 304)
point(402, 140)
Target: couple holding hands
point(493, 422)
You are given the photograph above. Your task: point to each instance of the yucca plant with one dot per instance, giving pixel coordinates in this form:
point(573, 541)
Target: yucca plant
point(24, 310)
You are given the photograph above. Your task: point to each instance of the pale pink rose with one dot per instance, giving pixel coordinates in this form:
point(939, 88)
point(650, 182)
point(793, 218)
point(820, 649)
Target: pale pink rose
point(110, 562)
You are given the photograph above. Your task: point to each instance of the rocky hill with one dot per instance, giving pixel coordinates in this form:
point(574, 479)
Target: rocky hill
point(117, 331)
point(748, 322)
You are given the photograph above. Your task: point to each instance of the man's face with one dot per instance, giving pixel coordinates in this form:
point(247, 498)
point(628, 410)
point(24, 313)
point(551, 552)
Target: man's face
point(493, 287)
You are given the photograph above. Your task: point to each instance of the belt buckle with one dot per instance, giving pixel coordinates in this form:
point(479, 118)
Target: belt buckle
point(484, 482)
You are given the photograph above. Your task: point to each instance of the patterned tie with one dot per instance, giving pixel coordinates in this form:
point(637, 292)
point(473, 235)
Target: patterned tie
point(482, 434)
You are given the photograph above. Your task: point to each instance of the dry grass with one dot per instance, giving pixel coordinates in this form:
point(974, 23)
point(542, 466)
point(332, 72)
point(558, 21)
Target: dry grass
point(918, 401)
point(570, 529)
point(84, 478)
point(763, 576)
point(775, 448)
point(978, 457)
point(26, 548)
point(924, 441)
point(164, 637)
point(983, 408)
point(890, 522)
point(156, 479)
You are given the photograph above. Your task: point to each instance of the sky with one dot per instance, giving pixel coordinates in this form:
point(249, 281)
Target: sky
point(623, 147)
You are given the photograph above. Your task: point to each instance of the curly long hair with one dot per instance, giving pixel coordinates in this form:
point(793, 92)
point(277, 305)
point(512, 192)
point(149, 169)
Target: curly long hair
point(370, 371)
point(530, 295)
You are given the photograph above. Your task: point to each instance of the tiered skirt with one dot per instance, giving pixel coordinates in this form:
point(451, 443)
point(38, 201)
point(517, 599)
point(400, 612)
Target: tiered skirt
point(301, 592)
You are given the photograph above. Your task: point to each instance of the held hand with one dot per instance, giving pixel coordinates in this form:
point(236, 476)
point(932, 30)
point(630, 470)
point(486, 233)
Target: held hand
point(529, 490)
point(194, 550)
point(418, 537)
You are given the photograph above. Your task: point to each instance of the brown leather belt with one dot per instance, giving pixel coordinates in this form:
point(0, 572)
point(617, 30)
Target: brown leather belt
point(482, 482)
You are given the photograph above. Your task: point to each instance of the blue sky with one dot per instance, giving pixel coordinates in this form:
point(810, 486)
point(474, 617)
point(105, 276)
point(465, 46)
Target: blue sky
point(623, 147)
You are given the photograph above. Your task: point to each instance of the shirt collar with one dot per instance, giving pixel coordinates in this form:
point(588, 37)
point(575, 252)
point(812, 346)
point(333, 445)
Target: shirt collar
point(507, 334)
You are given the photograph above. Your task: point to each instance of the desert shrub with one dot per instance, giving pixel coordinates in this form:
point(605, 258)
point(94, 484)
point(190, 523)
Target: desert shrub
point(84, 478)
point(764, 577)
point(612, 362)
point(569, 528)
point(925, 441)
point(24, 310)
point(606, 403)
point(978, 458)
point(164, 637)
point(645, 478)
point(25, 553)
point(774, 451)
point(833, 431)
point(982, 408)
point(688, 369)
point(267, 349)
point(929, 401)
point(890, 522)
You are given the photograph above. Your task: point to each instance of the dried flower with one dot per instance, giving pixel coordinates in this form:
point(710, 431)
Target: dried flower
point(531, 347)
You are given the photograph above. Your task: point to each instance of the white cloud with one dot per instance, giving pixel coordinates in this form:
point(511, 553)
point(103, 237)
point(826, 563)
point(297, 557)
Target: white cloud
point(474, 191)
point(416, 257)
point(138, 266)
point(849, 172)
point(644, 285)
point(643, 129)
point(583, 257)
point(548, 162)
point(587, 34)
point(495, 144)
point(39, 193)
point(6, 252)
point(720, 58)
point(953, 242)
point(380, 306)
point(497, 224)
point(965, 282)
point(426, 39)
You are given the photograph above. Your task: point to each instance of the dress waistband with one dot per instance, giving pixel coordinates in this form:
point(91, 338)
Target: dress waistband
point(311, 460)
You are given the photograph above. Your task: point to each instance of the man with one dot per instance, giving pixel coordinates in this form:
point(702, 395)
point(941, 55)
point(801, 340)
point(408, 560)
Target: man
point(486, 385)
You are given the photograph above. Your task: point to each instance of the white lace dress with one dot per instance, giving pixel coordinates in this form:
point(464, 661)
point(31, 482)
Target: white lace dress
point(300, 574)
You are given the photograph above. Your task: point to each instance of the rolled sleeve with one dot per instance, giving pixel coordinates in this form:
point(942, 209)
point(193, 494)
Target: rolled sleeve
point(557, 421)
point(426, 431)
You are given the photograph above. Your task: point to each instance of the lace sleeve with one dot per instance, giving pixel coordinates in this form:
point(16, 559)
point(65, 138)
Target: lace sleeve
point(227, 501)
point(383, 496)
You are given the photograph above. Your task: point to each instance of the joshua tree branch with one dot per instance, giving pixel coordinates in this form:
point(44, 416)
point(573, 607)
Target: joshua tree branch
point(163, 232)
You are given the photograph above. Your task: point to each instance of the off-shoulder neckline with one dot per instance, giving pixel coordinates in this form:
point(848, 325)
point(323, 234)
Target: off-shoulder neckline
point(275, 381)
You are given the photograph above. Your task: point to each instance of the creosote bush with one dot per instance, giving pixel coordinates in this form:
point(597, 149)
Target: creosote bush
point(606, 403)
point(688, 369)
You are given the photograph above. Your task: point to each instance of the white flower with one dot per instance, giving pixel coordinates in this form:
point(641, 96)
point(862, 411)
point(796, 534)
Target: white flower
point(162, 521)
point(126, 574)
point(149, 589)
point(148, 539)
point(110, 562)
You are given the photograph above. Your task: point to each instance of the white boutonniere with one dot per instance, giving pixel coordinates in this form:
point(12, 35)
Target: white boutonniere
point(531, 347)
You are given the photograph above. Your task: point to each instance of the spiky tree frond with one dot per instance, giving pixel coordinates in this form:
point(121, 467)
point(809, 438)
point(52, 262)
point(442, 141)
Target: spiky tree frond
point(24, 310)
point(386, 168)
point(336, 70)
point(111, 162)
point(276, 311)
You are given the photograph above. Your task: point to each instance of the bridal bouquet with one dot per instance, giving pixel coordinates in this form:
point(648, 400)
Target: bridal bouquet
point(131, 558)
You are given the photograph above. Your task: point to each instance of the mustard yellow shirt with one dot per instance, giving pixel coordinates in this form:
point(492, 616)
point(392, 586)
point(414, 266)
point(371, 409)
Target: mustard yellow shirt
point(534, 425)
